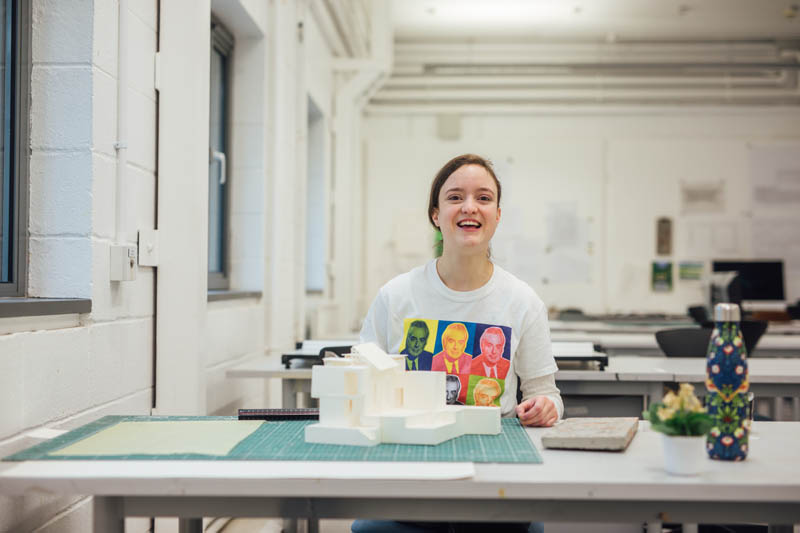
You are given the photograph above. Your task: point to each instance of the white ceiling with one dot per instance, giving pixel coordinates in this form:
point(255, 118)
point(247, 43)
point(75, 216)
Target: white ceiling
point(595, 20)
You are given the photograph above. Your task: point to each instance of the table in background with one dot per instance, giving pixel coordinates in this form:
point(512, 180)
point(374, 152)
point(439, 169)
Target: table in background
point(644, 343)
point(639, 378)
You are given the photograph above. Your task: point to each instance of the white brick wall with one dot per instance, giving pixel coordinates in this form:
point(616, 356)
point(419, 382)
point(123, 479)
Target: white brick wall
point(66, 373)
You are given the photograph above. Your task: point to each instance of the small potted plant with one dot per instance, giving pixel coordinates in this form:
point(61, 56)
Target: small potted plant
point(683, 423)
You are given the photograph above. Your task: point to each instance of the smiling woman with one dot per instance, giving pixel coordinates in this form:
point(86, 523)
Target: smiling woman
point(487, 329)
point(465, 301)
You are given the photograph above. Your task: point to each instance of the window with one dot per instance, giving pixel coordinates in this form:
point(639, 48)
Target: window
point(218, 167)
point(14, 73)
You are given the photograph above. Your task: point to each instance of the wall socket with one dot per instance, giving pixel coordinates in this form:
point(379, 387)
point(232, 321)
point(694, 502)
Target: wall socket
point(123, 262)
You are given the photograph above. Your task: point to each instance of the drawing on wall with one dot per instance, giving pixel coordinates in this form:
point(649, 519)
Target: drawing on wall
point(712, 238)
point(775, 178)
point(702, 197)
point(568, 244)
point(664, 236)
point(775, 183)
point(690, 270)
point(661, 280)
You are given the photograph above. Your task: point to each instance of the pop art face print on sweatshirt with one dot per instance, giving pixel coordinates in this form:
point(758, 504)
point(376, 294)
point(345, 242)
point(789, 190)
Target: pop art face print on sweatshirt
point(482, 339)
point(475, 356)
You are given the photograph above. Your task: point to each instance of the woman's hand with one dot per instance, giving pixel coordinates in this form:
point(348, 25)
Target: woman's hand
point(537, 411)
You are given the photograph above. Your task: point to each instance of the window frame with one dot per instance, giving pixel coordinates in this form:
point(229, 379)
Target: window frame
point(223, 41)
point(19, 106)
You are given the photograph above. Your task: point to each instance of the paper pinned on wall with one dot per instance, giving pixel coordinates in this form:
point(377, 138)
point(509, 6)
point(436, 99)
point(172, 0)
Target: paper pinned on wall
point(712, 239)
point(775, 177)
point(776, 238)
point(567, 252)
point(567, 266)
point(661, 280)
point(724, 239)
point(702, 197)
point(690, 270)
point(504, 169)
point(563, 225)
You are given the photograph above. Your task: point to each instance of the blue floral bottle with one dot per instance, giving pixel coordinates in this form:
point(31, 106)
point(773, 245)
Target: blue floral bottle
point(727, 384)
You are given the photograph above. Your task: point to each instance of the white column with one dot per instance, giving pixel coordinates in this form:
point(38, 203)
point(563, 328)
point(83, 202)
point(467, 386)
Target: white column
point(182, 282)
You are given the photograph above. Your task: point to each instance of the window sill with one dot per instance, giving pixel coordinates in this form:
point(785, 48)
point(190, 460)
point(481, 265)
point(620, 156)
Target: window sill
point(217, 295)
point(18, 306)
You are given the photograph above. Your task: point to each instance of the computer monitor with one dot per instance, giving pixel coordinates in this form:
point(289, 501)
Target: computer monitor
point(757, 280)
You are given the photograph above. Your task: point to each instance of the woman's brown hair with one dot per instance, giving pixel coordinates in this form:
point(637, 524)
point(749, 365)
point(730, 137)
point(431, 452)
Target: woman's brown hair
point(448, 169)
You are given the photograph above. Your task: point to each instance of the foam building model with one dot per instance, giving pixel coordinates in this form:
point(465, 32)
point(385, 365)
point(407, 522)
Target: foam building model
point(367, 397)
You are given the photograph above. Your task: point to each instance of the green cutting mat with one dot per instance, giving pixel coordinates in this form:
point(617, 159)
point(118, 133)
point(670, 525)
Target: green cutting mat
point(284, 441)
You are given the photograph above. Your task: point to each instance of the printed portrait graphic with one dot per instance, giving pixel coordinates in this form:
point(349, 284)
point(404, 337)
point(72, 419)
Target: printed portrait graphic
point(484, 391)
point(453, 388)
point(419, 339)
point(476, 357)
point(492, 347)
point(455, 346)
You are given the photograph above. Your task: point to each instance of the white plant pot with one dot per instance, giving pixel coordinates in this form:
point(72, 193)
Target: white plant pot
point(684, 456)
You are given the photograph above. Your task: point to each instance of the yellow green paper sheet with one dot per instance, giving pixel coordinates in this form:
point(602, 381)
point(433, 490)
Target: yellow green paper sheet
point(204, 437)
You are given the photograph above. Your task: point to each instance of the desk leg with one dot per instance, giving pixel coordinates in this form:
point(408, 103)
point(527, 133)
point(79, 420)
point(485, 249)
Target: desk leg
point(190, 525)
point(108, 514)
point(654, 393)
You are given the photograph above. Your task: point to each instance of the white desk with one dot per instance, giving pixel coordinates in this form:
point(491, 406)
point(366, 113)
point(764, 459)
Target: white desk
point(618, 343)
point(646, 377)
point(570, 486)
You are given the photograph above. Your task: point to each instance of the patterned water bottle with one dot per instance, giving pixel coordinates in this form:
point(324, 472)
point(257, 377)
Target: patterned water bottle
point(727, 384)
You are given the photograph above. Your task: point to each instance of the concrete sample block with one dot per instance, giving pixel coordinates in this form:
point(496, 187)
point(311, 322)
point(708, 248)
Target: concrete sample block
point(610, 433)
point(367, 397)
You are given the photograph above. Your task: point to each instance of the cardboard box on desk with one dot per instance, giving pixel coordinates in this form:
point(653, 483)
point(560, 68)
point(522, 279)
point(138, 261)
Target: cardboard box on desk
point(608, 433)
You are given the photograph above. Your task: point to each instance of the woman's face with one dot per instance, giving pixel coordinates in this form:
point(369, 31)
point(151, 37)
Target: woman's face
point(468, 213)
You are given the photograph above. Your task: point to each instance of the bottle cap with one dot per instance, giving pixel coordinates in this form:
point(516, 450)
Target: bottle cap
point(727, 313)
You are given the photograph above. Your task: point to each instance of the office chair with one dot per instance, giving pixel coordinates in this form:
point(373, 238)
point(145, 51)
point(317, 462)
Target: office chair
point(339, 351)
point(699, 314)
point(684, 342)
point(693, 342)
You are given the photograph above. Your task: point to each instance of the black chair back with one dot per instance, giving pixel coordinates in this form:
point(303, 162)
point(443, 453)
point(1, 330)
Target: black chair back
point(340, 351)
point(684, 342)
point(752, 330)
point(693, 342)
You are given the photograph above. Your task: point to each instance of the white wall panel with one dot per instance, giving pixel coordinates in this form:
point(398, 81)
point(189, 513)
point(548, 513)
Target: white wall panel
point(622, 169)
point(116, 365)
point(12, 384)
point(142, 56)
point(55, 373)
point(142, 124)
point(104, 35)
point(104, 119)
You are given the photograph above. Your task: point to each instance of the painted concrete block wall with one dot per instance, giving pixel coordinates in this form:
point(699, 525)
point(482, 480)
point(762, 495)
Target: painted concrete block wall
point(61, 143)
point(620, 170)
point(65, 373)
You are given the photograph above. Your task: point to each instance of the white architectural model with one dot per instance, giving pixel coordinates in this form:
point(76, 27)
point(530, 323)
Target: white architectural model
point(367, 398)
